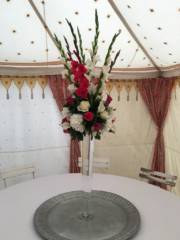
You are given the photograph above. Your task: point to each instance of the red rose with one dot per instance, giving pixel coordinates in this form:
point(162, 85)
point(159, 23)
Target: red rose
point(108, 100)
point(66, 131)
point(82, 92)
point(77, 75)
point(70, 101)
point(88, 116)
point(97, 126)
point(84, 82)
point(82, 68)
point(65, 120)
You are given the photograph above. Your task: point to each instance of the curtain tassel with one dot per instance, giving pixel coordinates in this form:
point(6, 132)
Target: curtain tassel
point(7, 95)
point(31, 94)
point(128, 97)
point(43, 95)
point(137, 96)
point(118, 96)
point(20, 97)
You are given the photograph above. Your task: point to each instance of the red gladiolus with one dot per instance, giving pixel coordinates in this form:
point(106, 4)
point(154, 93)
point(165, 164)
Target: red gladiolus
point(82, 68)
point(70, 101)
point(75, 64)
point(108, 100)
point(77, 76)
point(84, 82)
point(88, 116)
point(82, 92)
point(68, 59)
point(97, 126)
point(113, 120)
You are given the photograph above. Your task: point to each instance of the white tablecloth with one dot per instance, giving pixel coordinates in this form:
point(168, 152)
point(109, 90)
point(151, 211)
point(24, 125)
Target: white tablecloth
point(159, 209)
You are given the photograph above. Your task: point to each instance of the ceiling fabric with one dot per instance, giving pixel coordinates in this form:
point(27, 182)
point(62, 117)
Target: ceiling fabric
point(25, 42)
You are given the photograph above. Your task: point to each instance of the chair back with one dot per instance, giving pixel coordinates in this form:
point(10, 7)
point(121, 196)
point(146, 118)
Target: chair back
point(17, 171)
point(159, 174)
point(97, 163)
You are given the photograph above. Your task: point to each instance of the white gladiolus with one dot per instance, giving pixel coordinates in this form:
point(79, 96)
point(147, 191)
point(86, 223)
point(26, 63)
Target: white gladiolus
point(69, 64)
point(78, 127)
point(92, 88)
point(95, 72)
point(104, 115)
point(72, 78)
point(84, 106)
point(92, 43)
point(108, 61)
point(76, 119)
point(101, 107)
point(63, 60)
point(89, 64)
point(66, 113)
point(72, 88)
point(105, 76)
point(65, 56)
point(61, 53)
point(96, 58)
point(88, 77)
point(103, 88)
point(64, 73)
point(90, 51)
point(65, 125)
point(106, 69)
point(96, 48)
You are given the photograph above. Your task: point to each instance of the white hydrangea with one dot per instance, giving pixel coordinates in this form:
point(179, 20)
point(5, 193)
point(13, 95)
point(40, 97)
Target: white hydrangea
point(78, 127)
point(66, 113)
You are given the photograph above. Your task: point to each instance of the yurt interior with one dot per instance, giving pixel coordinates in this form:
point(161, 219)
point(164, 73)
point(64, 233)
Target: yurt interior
point(90, 101)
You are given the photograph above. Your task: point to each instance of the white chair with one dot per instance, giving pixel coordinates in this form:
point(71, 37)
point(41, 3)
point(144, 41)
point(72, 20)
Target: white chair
point(17, 171)
point(97, 163)
point(160, 174)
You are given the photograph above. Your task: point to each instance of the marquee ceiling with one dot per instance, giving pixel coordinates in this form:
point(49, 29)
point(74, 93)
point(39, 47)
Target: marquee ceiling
point(156, 24)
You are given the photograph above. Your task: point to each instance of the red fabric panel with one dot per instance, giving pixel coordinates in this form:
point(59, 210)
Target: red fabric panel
point(60, 92)
point(156, 93)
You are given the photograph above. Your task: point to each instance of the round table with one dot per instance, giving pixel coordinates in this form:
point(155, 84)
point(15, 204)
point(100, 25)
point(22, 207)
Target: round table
point(159, 209)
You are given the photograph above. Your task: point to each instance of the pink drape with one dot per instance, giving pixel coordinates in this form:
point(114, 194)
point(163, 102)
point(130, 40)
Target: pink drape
point(157, 94)
point(59, 86)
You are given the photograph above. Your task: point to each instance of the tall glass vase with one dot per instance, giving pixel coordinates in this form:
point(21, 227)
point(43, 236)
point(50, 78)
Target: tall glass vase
point(87, 165)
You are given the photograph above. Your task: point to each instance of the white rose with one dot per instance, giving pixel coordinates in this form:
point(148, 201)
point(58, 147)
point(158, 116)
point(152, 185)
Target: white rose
point(66, 113)
point(106, 69)
point(69, 64)
point(96, 58)
point(94, 133)
point(92, 88)
point(84, 106)
point(90, 51)
point(72, 78)
point(89, 64)
point(104, 115)
point(78, 127)
point(65, 125)
point(64, 73)
point(72, 88)
point(76, 119)
point(103, 88)
point(95, 72)
point(101, 107)
point(63, 60)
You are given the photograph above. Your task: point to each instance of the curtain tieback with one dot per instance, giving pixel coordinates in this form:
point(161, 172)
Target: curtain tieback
point(159, 128)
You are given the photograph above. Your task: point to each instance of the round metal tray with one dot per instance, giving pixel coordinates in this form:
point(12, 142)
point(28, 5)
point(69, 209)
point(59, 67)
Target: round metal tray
point(112, 217)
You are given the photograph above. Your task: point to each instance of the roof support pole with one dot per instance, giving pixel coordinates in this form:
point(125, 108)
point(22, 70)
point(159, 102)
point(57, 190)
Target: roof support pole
point(113, 5)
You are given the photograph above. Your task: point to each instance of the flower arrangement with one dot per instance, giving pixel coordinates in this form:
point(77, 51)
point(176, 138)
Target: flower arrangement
point(85, 112)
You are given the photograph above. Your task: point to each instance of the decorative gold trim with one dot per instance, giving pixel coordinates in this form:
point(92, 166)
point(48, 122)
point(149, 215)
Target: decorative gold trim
point(109, 86)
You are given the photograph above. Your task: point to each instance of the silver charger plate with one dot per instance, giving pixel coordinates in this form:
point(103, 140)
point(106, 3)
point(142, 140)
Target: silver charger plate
point(112, 217)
